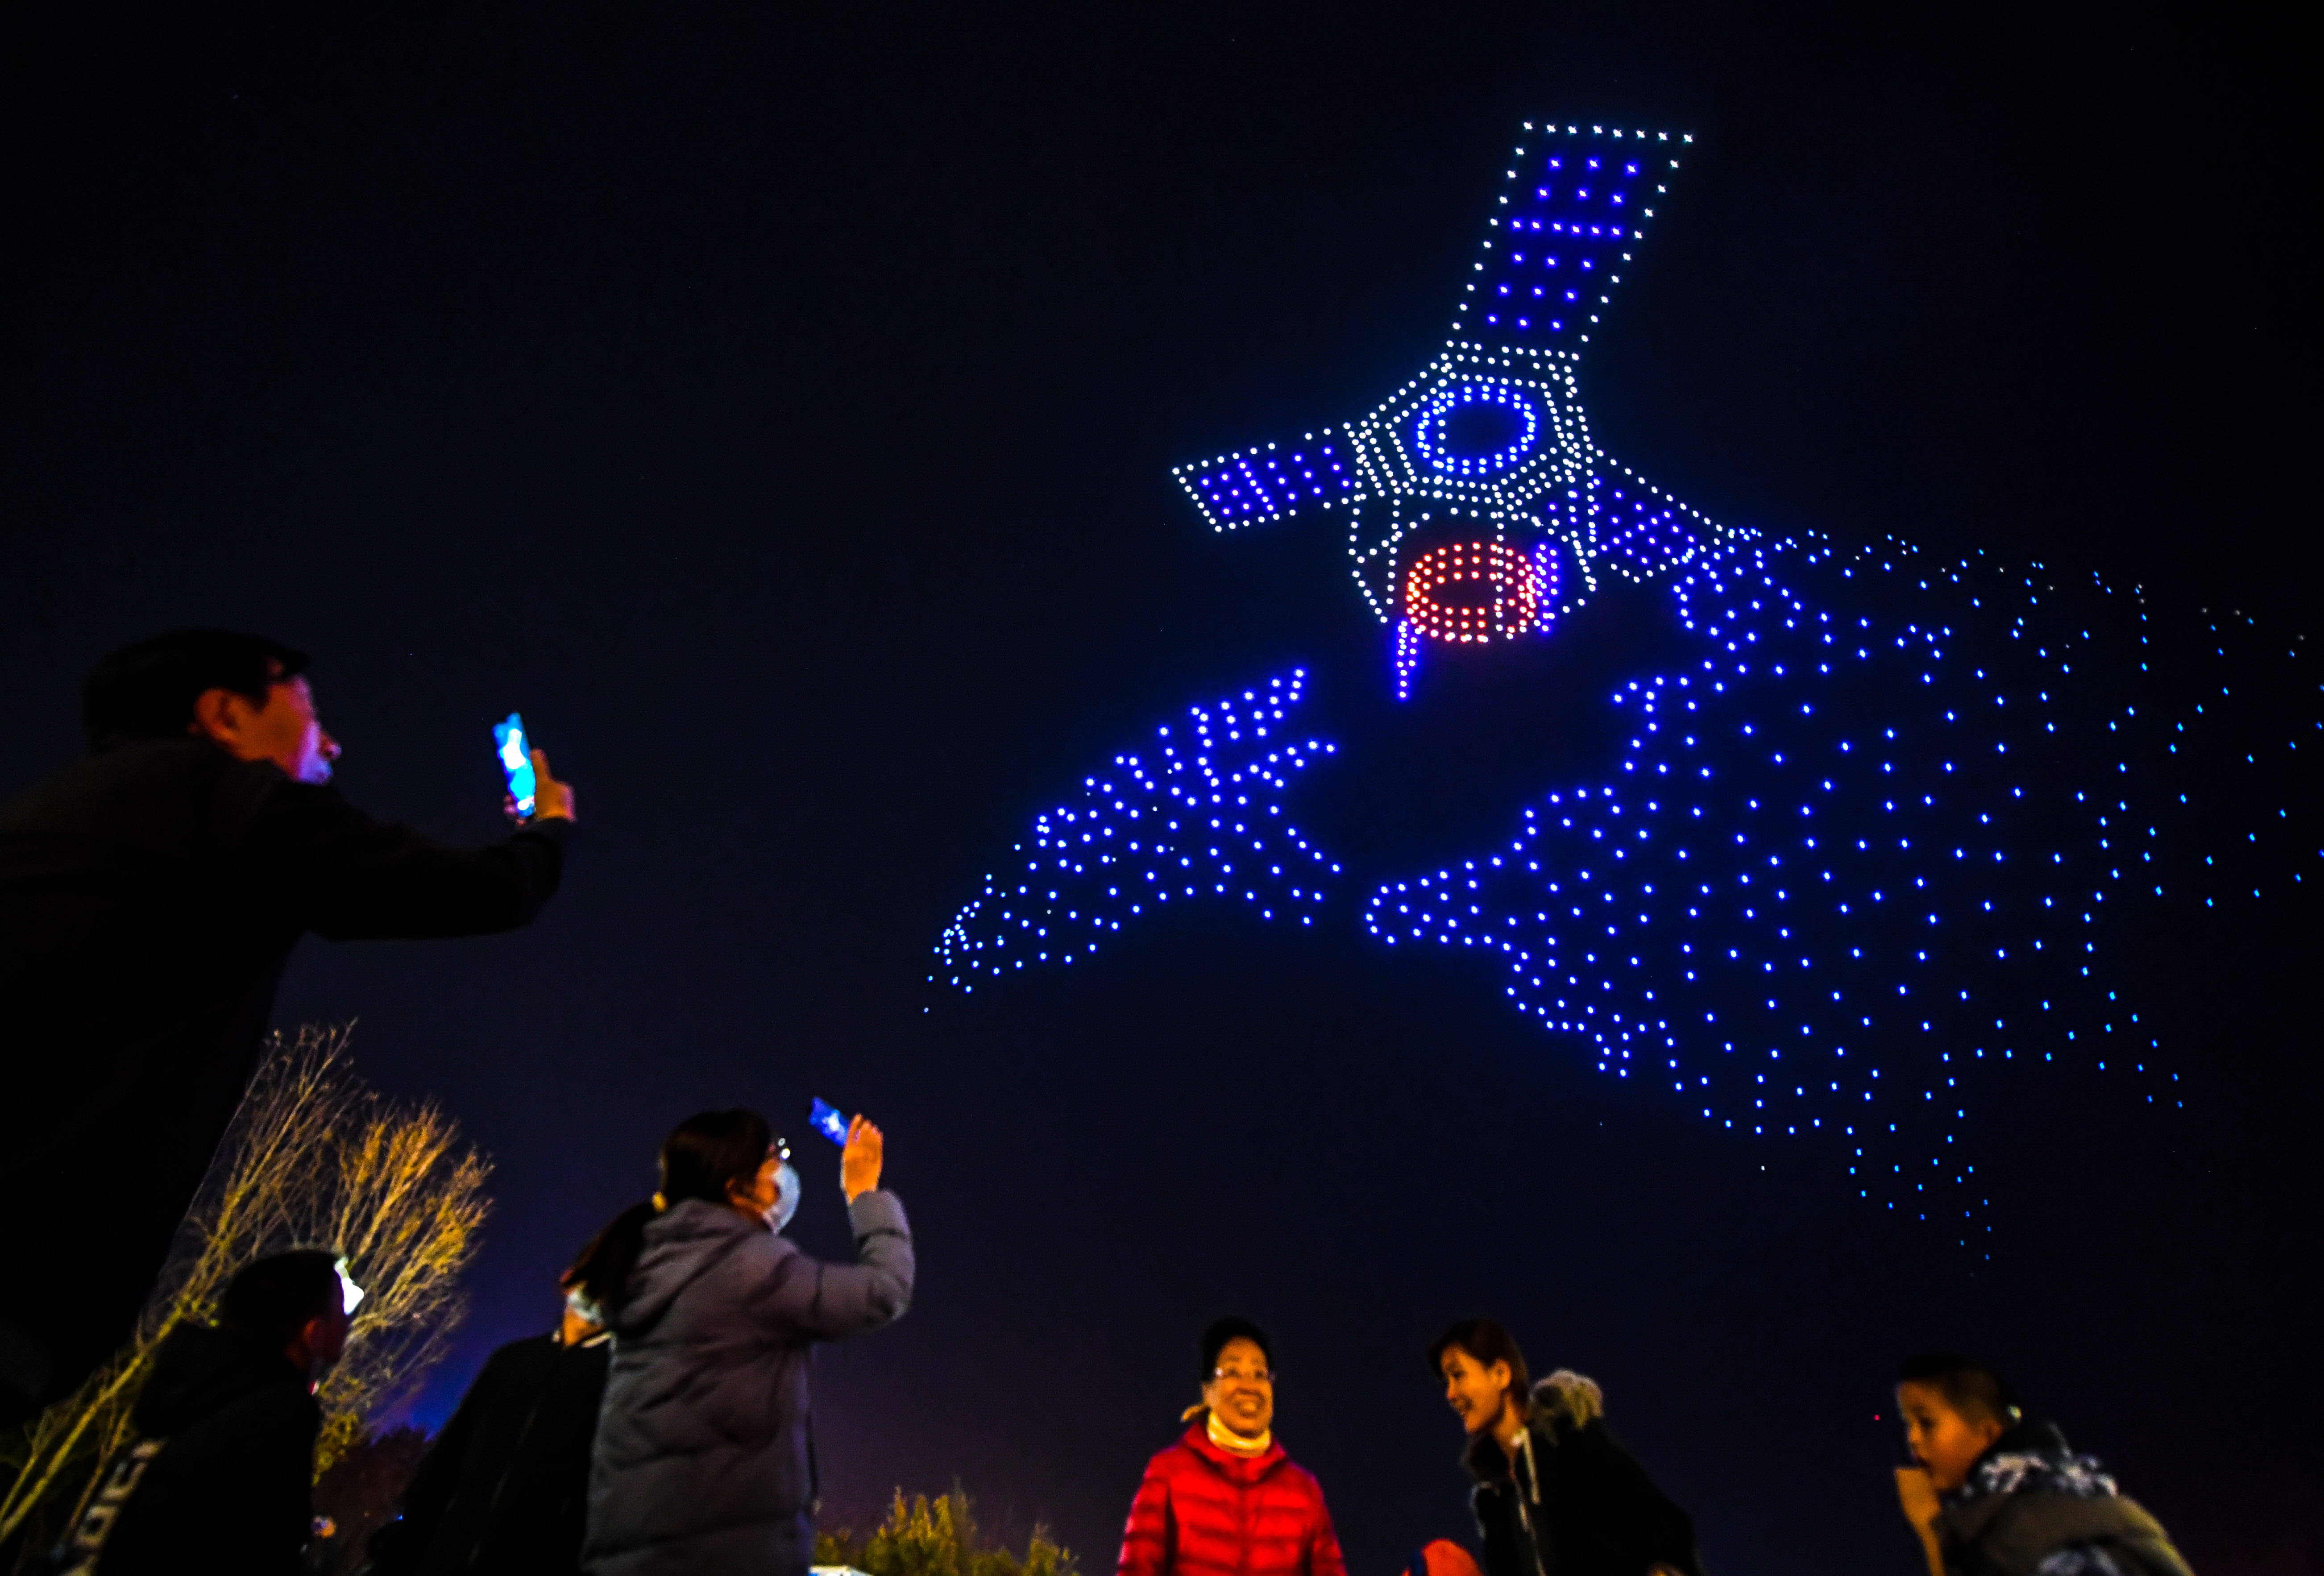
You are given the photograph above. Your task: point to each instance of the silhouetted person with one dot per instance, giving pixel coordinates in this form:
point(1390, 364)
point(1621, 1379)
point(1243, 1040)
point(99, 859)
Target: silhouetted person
point(1555, 1494)
point(704, 1466)
point(219, 1476)
point(150, 894)
point(505, 1486)
point(1224, 1499)
point(1997, 1494)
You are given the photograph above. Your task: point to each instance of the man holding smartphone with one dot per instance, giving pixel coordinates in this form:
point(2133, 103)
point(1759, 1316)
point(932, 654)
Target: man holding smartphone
point(150, 895)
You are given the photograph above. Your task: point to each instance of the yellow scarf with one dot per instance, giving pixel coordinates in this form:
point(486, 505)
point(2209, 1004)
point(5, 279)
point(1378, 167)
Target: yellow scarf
point(1227, 1439)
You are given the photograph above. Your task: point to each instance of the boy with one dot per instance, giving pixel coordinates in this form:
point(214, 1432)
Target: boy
point(220, 1477)
point(1994, 1492)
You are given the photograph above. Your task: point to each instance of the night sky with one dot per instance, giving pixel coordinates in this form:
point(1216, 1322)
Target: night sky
point(778, 407)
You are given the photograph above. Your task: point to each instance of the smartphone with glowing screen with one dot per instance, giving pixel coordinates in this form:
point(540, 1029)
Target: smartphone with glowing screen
point(515, 752)
point(828, 1122)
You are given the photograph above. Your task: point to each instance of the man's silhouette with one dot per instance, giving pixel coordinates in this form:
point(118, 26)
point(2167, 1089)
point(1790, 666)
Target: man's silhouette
point(150, 894)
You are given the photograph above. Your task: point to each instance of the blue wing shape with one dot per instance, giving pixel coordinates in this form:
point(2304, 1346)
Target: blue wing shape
point(1198, 814)
point(1856, 864)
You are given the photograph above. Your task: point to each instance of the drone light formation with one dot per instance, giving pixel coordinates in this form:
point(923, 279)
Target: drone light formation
point(1510, 580)
point(1851, 865)
point(1884, 828)
point(1199, 815)
point(1491, 435)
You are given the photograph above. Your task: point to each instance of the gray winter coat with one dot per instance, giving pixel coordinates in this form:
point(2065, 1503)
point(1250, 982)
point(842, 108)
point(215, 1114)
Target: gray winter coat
point(703, 1464)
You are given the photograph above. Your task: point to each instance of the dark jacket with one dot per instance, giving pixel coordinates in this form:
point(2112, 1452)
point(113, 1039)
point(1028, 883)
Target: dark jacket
point(1574, 1504)
point(704, 1460)
point(505, 1486)
point(218, 1477)
point(149, 897)
point(2031, 1505)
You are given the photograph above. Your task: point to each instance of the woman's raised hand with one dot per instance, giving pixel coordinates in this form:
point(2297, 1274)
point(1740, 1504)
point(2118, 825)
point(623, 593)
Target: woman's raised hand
point(858, 1162)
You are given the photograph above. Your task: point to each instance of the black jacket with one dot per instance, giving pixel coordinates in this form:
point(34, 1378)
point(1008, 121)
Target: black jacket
point(218, 1478)
point(505, 1486)
point(149, 897)
point(1587, 1507)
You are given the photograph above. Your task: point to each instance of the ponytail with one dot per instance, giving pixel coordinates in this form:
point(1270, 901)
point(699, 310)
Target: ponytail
point(601, 1274)
point(704, 1155)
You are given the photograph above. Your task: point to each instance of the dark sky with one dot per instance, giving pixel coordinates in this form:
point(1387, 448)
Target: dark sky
point(777, 404)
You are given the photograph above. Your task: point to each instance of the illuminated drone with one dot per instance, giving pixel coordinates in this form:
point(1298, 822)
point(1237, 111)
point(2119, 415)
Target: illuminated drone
point(1489, 447)
point(1886, 831)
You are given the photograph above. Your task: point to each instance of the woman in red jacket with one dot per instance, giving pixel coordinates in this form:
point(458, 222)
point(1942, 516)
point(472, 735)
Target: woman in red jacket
point(1224, 1500)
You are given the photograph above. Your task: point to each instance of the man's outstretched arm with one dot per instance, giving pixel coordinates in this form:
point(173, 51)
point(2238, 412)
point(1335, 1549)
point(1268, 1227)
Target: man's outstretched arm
point(349, 875)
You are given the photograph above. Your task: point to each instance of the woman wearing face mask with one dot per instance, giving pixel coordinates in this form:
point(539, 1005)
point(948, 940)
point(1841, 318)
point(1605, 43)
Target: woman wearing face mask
point(704, 1460)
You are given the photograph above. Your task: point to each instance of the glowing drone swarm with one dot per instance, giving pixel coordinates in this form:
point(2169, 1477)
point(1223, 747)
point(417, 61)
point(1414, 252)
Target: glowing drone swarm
point(1850, 865)
point(1515, 580)
point(1492, 433)
point(1200, 815)
point(1239, 489)
point(1886, 826)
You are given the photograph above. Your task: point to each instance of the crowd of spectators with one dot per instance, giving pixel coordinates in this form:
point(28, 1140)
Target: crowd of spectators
point(149, 897)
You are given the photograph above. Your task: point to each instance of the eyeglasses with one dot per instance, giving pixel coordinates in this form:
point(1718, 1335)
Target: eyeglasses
point(1236, 1376)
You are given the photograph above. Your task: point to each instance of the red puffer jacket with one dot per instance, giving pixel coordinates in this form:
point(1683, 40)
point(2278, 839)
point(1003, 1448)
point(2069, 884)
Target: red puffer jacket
point(1202, 1511)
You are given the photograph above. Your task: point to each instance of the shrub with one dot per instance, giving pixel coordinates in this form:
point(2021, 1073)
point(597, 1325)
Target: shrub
point(940, 1537)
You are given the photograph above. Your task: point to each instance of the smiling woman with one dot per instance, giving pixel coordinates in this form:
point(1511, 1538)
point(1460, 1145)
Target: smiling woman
point(1225, 1500)
point(1554, 1491)
point(1238, 1394)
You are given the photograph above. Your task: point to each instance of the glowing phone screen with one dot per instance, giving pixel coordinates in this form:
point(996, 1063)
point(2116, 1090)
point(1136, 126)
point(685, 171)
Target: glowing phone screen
point(516, 762)
point(829, 1123)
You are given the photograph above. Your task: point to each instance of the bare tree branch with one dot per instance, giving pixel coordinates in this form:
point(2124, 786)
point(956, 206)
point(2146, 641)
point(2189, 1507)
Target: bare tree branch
point(314, 1158)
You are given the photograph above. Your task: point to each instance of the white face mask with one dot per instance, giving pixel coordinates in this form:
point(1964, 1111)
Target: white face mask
point(786, 1197)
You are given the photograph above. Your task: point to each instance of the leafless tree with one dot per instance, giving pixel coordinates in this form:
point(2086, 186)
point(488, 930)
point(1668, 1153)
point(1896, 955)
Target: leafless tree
point(315, 1158)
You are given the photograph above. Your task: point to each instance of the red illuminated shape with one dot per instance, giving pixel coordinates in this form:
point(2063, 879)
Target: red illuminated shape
point(1474, 592)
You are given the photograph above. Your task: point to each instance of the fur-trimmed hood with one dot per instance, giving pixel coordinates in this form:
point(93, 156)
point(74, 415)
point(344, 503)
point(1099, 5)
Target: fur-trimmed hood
point(1576, 1503)
point(2030, 1496)
point(1557, 1407)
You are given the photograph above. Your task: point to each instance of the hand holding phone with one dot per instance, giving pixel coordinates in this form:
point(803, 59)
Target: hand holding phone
point(515, 752)
point(862, 1148)
point(534, 792)
point(861, 1161)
